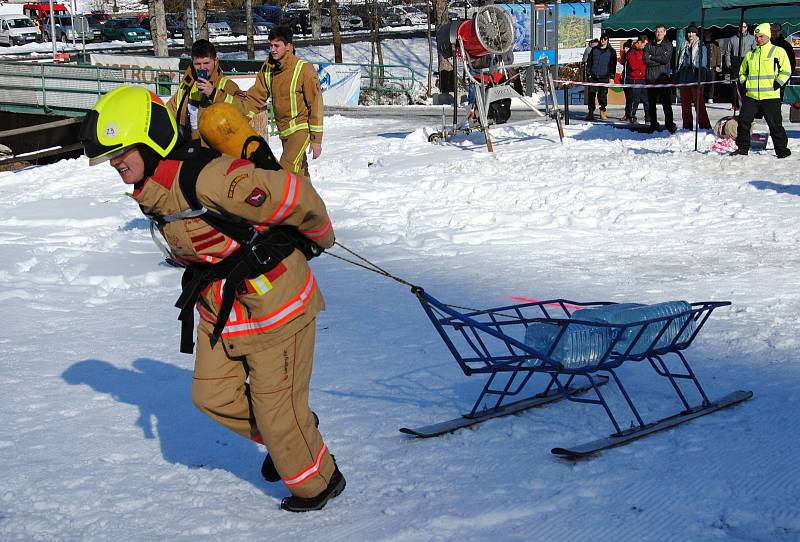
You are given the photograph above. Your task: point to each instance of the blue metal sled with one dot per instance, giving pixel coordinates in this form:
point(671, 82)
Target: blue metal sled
point(491, 342)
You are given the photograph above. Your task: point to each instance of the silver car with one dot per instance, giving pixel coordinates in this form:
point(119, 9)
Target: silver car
point(217, 27)
point(64, 30)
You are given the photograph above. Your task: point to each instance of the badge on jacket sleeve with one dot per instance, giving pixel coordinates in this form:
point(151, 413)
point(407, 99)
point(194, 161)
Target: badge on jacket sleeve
point(256, 198)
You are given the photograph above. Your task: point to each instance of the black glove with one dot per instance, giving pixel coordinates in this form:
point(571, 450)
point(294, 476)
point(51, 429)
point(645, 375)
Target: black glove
point(776, 85)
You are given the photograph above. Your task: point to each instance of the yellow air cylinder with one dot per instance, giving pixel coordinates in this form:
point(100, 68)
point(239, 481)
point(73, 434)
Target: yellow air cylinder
point(224, 128)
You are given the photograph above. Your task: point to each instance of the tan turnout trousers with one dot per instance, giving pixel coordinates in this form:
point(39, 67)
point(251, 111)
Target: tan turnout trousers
point(271, 408)
point(293, 157)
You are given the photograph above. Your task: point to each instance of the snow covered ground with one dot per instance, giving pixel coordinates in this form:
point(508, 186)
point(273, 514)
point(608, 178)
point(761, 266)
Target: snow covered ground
point(99, 439)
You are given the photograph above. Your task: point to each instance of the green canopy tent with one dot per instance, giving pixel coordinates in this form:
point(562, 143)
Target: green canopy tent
point(738, 4)
point(642, 15)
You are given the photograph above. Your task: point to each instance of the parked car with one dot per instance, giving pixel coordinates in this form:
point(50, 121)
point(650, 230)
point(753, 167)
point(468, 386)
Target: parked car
point(96, 22)
point(18, 30)
point(237, 20)
point(64, 30)
point(271, 14)
point(347, 21)
point(404, 16)
point(174, 27)
point(217, 26)
point(460, 7)
point(298, 19)
point(126, 28)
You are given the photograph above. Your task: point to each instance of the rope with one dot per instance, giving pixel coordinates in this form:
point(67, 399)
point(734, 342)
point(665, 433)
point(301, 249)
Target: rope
point(380, 271)
point(370, 265)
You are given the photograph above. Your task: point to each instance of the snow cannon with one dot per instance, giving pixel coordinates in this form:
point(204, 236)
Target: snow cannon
point(227, 130)
point(489, 32)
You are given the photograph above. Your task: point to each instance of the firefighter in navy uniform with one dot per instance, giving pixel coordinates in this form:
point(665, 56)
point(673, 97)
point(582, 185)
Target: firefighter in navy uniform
point(256, 295)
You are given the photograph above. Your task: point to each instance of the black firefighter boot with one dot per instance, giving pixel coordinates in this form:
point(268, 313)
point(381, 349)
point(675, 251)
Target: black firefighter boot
point(307, 504)
point(268, 470)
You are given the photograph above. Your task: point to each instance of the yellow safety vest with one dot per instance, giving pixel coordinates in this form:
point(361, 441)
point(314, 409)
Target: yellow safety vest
point(763, 67)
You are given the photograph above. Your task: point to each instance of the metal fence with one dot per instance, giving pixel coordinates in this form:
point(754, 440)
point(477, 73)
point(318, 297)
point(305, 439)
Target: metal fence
point(72, 89)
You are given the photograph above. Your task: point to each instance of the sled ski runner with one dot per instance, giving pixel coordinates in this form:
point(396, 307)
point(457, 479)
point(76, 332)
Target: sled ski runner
point(589, 448)
point(566, 339)
point(467, 420)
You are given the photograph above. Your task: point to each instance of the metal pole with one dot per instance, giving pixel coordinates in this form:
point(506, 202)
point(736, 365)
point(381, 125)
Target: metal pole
point(566, 104)
point(698, 96)
point(555, 41)
point(194, 24)
point(735, 76)
point(52, 30)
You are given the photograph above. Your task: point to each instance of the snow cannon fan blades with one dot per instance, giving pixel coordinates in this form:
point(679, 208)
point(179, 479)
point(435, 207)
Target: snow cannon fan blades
point(490, 32)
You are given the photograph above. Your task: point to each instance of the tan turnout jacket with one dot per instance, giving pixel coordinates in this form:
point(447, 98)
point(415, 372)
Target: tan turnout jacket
point(281, 301)
point(296, 96)
point(224, 91)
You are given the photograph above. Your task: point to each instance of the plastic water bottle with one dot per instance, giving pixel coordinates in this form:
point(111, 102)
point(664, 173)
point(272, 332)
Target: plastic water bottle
point(580, 345)
point(629, 313)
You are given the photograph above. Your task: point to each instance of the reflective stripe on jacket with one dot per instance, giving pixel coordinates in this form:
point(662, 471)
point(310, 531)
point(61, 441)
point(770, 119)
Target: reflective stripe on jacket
point(295, 94)
point(761, 69)
point(285, 298)
point(224, 91)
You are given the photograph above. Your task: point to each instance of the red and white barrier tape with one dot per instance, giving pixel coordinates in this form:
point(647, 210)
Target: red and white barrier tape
point(568, 82)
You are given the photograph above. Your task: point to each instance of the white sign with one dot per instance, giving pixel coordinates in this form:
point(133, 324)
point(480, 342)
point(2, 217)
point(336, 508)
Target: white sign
point(146, 70)
point(341, 85)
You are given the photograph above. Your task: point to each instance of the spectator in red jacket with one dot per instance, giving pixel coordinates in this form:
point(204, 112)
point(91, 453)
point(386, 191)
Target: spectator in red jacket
point(636, 76)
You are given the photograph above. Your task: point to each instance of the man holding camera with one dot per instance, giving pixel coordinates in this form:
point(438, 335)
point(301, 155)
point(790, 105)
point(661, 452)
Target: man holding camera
point(202, 85)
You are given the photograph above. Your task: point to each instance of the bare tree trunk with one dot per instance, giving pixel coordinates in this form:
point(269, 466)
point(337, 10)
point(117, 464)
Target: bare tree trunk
point(251, 43)
point(158, 27)
point(337, 34)
point(617, 5)
point(440, 10)
point(316, 24)
point(375, 36)
point(202, 25)
point(430, 50)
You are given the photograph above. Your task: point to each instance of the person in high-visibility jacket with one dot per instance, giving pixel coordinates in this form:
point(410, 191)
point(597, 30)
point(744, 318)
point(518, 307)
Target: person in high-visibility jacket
point(196, 92)
point(762, 74)
point(296, 95)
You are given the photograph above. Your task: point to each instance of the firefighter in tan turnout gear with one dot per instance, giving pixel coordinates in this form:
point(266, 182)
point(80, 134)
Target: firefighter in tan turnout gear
point(296, 95)
point(202, 85)
point(244, 233)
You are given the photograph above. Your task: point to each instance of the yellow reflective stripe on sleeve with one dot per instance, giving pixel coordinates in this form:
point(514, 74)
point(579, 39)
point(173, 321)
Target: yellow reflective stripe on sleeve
point(293, 98)
point(315, 127)
point(268, 84)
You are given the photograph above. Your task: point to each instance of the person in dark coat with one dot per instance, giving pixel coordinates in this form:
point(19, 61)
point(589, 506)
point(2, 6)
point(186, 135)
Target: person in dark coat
point(601, 66)
point(779, 40)
point(658, 59)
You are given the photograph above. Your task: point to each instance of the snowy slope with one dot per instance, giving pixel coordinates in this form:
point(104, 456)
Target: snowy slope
point(99, 439)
